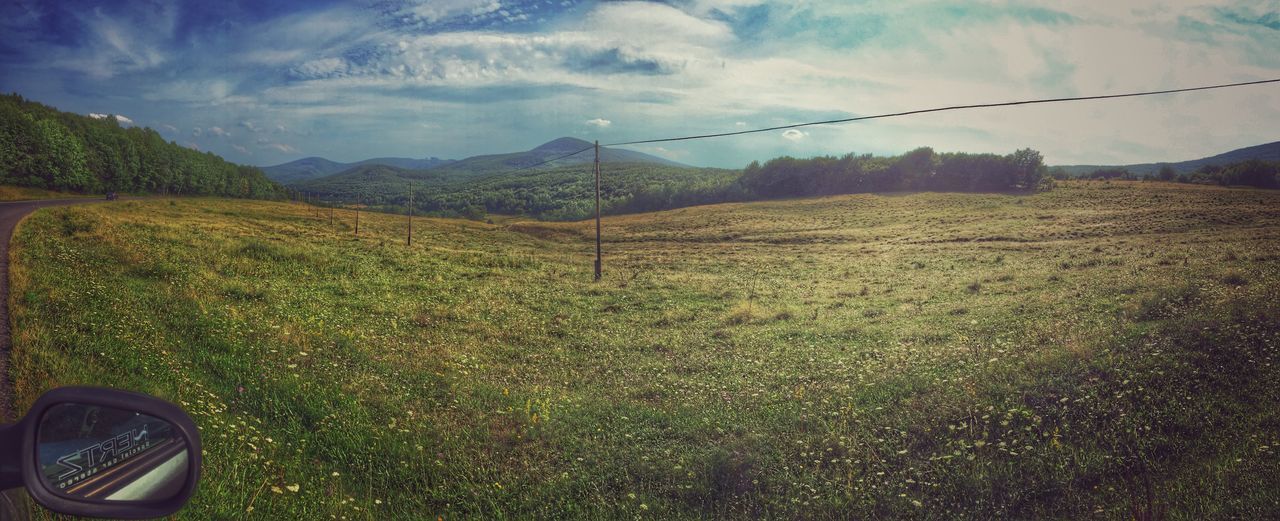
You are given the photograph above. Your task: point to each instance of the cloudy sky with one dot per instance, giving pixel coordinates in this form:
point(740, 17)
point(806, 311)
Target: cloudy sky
point(264, 82)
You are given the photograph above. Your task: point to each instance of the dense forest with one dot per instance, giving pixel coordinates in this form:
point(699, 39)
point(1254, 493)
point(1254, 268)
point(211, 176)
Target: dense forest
point(567, 193)
point(1252, 172)
point(560, 193)
point(46, 148)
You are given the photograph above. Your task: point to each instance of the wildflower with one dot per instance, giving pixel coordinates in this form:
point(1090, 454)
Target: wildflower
point(336, 474)
point(294, 488)
point(276, 489)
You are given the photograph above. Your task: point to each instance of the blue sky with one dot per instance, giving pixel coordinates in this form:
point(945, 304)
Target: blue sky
point(263, 82)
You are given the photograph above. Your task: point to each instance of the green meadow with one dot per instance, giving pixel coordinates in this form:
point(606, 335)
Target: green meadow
point(1102, 350)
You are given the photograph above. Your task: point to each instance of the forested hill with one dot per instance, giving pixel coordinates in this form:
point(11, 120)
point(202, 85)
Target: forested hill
point(568, 192)
point(44, 147)
point(1263, 152)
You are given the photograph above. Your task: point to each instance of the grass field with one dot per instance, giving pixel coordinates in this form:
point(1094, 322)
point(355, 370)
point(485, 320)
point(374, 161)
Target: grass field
point(1103, 350)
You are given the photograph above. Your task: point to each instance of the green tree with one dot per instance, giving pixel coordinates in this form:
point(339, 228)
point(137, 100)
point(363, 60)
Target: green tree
point(61, 157)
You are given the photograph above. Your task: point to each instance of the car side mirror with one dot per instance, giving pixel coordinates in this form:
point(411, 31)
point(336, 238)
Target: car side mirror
point(99, 452)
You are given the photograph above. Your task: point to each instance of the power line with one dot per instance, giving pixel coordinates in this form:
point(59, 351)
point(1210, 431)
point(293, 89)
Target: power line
point(940, 109)
point(552, 160)
point(911, 112)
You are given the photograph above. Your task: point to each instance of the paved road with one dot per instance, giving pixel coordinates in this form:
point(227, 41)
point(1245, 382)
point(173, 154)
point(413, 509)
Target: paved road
point(10, 213)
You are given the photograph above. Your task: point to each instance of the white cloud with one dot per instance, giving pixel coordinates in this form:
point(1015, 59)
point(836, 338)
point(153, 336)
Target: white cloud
point(192, 91)
point(242, 150)
point(436, 10)
point(114, 44)
point(197, 132)
point(794, 134)
point(170, 128)
point(280, 147)
point(668, 153)
point(218, 131)
point(599, 122)
point(121, 119)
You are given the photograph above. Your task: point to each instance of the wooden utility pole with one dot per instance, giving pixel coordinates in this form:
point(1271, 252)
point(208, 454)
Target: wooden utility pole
point(409, 241)
point(597, 209)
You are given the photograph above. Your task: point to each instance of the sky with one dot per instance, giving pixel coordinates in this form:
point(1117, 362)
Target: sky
point(264, 82)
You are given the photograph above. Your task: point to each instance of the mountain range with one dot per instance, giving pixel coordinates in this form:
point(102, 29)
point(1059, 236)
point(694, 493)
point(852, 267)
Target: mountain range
point(1266, 152)
point(310, 169)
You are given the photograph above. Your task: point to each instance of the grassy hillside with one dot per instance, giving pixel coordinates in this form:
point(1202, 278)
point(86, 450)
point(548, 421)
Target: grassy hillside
point(1103, 350)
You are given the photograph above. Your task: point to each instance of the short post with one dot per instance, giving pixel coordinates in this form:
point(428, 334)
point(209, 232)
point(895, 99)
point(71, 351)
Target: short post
point(357, 217)
point(409, 240)
point(597, 209)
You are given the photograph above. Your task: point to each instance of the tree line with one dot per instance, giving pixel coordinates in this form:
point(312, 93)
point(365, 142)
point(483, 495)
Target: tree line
point(1251, 172)
point(46, 148)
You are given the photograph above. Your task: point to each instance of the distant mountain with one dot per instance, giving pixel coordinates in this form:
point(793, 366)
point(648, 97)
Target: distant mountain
point(559, 189)
point(405, 163)
point(1267, 152)
point(558, 147)
point(309, 168)
point(370, 179)
point(302, 169)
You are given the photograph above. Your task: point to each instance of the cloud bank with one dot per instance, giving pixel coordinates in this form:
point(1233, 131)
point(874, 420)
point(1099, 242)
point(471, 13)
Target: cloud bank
point(460, 77)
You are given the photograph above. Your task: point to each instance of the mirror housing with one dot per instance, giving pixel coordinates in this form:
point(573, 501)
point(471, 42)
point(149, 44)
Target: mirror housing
point(122, 460)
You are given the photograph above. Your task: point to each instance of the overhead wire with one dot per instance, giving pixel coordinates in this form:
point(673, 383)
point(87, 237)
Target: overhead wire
point(941, 109)
point(908, 113)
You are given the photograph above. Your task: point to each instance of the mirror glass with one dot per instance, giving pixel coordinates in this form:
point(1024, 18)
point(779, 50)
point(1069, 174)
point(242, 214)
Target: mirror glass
point(95, 452)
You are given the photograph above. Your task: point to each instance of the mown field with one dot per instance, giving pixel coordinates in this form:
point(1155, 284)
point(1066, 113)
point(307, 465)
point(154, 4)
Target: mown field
point(1103, 350)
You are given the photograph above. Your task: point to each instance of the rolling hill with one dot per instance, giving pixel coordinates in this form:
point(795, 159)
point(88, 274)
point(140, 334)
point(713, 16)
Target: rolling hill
point(566, 145)
point(309, 168)
point(558, 189)
point(1266, 152)
point(312, 168)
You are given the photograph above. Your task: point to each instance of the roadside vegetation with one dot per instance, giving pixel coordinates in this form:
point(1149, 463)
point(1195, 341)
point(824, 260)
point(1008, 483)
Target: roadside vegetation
point(1101, 350)
point(23, 193)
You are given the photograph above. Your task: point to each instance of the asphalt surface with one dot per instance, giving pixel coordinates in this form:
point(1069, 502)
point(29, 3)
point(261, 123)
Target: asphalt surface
point(11, 212)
